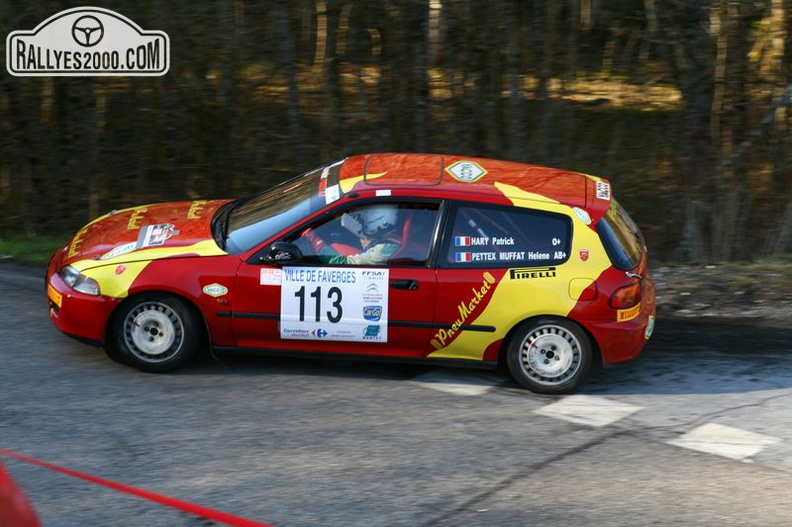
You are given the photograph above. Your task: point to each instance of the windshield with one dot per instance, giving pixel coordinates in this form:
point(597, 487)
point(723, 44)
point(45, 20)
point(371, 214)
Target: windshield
point(621, 237)
point(267, 214)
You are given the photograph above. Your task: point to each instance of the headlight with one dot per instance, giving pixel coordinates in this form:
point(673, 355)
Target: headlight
point(78, 281)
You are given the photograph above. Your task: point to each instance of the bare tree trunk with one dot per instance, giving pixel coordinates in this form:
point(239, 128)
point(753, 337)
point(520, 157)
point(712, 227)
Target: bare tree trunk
point(231, 14)
point(542, 58)
point(688, 54)
point(334, 118)
point(455, 19)
point(97, 106)
point(782, 239)
point(517, 137)
point(418, 36)
point(782, 133)
point(387, 86)
point(488, 76)
point(364, 49)
point(725, 200)
point(22, 180)
point(287, 62)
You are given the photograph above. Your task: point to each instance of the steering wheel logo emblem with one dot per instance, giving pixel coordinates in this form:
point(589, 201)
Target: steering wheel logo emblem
point(87, 31)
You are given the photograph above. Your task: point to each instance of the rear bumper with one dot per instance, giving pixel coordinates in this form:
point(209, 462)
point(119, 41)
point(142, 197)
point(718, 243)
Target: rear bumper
point(623, 341)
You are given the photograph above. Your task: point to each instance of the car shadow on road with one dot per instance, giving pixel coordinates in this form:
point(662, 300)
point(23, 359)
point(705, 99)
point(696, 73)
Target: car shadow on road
point(684, 356)
point(254, 364)
point(703, 356)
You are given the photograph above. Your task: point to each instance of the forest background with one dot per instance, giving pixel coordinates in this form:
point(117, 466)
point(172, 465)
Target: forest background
point(682, 104)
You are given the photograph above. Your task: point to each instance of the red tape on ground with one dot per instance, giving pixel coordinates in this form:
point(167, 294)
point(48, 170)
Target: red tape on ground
point(197, 510)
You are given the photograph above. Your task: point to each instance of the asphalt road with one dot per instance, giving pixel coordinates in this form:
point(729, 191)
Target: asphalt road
point(695, 432)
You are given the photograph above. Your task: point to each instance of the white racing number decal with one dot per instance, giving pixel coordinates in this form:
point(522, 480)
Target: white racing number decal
point(334, 303)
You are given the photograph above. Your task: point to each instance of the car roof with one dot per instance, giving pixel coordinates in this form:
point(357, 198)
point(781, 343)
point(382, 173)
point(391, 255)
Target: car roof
point(471, 175)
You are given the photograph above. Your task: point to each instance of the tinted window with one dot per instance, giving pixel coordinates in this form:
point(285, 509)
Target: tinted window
point(487, 236)
point(621, 237)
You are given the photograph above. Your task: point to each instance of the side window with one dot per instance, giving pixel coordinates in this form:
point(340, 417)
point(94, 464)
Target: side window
point(376, 234)
point(487, 236)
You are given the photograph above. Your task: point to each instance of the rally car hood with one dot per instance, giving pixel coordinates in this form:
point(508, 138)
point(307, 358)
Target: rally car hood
point(147, 232)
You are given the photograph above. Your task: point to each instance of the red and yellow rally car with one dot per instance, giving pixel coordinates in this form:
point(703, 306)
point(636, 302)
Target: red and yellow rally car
point(414, 256)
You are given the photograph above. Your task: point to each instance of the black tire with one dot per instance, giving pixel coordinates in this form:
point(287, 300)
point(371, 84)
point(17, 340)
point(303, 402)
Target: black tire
point(155, 333)
point(549, 355)
point(111, 350)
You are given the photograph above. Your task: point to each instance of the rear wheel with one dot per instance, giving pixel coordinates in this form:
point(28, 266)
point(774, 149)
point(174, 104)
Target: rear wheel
point(549, 355)
point(155, 333)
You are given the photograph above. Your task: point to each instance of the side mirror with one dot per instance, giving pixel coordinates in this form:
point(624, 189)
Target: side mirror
point(281, 253)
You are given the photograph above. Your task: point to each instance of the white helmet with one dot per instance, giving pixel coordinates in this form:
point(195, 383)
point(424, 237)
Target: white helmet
point(370, 221)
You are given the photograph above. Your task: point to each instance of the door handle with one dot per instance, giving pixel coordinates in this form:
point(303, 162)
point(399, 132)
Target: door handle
point(410, 285)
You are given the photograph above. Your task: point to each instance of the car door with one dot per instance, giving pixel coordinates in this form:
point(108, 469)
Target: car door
point(499, 265)
point(313, 305)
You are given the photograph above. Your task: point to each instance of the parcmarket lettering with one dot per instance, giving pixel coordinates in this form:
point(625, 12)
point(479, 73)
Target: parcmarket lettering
point(465, 309)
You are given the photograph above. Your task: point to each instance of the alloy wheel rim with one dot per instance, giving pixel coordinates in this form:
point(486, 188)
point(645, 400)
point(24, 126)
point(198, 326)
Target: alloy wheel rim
point(153, 331)
point(550, 354)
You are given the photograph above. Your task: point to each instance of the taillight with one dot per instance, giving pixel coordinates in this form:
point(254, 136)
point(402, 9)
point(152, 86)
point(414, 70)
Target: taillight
point(627, 296)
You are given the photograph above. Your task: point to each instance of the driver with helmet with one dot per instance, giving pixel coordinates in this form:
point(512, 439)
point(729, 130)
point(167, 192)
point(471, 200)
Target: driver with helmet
point(374, 225)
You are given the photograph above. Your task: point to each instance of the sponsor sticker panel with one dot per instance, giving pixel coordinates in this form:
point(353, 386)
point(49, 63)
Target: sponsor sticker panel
point(603, 190)
point(476, 249)
point(334, 303)
point(466, 171)
point(215, 290)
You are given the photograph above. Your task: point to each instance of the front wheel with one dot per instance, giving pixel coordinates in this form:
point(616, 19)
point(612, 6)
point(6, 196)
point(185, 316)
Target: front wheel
point(155, 333)
point(549, 356)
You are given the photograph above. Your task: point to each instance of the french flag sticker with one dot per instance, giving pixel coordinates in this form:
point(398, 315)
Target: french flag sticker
point(462, 241)
point(463, 257)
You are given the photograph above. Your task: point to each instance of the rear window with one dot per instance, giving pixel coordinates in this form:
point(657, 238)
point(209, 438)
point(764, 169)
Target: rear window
point(621, 237)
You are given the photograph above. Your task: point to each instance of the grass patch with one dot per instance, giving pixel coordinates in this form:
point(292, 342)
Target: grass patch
point(34, 250)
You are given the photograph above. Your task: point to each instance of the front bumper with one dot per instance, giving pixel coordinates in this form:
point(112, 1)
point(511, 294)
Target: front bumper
point(77, 314)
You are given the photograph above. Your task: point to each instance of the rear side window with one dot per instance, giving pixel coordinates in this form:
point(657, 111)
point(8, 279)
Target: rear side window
point(496, 236)
point(621, 237)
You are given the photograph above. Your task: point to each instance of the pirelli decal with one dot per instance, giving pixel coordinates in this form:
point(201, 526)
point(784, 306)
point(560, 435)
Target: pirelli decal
point(623, 315)
point(528, 273)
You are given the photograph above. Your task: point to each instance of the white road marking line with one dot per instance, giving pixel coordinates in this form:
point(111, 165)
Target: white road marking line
point(449, 382)
point(725, 441)
point(588, 410)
